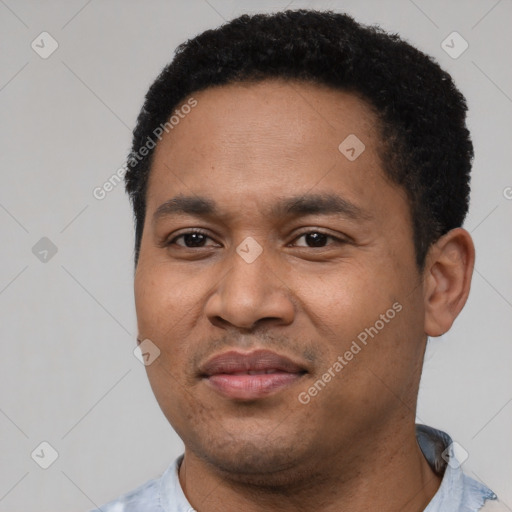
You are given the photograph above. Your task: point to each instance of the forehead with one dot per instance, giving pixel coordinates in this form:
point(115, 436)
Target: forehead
point(252, 114)
point(267, 138)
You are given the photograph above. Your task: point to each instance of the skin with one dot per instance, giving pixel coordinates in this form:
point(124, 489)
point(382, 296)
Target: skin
point(353, 446)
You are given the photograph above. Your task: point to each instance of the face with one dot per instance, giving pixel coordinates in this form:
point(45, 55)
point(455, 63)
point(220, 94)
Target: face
point(277, 277)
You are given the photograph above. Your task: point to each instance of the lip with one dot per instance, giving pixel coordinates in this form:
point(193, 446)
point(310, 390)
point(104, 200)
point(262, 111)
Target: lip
point(228, 374)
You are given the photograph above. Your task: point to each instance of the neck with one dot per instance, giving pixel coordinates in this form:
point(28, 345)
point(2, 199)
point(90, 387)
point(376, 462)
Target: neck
point(383, 471)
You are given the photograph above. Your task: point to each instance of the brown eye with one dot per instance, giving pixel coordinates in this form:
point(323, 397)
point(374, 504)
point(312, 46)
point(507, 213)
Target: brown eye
point(316, 239)
point(191, 239)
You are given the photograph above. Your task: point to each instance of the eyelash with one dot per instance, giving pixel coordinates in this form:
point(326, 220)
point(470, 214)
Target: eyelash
point(201, 232)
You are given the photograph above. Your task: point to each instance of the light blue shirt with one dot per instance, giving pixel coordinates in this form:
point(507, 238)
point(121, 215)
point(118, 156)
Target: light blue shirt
point(457, 493)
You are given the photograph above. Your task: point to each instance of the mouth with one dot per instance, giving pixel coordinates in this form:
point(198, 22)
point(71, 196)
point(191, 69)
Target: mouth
point(249, 376)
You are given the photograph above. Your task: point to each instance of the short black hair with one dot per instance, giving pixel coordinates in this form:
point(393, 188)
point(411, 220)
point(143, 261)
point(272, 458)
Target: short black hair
point(425, 145)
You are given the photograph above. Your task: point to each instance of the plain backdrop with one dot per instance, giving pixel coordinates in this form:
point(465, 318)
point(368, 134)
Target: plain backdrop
point(68, 373)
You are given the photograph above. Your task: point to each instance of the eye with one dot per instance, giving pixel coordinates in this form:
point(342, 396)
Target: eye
point(197, 238)
point(191, 239)
point(317, 239)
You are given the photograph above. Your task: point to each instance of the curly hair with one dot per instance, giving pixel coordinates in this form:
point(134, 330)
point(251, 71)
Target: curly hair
point(425, 146)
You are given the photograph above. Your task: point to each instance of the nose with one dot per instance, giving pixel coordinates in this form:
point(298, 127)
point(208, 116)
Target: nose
point(250, 293)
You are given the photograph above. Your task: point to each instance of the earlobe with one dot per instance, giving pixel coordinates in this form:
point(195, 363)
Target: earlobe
point(447, 280)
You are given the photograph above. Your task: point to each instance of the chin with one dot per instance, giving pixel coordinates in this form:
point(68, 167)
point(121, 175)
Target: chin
point(275, 466)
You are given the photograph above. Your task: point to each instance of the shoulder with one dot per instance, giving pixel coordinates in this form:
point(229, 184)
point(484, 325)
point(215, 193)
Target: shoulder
point(160, 494)
point(145, 497)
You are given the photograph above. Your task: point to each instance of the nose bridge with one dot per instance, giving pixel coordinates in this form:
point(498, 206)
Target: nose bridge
point(248, 265)
point(250, 291)
point(248, 276)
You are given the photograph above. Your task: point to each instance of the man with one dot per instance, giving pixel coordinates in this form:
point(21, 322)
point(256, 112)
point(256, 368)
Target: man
point(299, 183)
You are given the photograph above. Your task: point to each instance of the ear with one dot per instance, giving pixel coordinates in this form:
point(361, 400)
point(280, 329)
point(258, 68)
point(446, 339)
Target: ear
point(447, 280)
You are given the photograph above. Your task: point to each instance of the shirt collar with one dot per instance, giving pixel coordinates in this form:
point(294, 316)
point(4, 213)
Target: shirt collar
point(172, 497)
point(457, 491)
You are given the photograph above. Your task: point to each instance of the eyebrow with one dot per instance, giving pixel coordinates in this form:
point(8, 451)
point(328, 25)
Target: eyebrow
point(295, 206)
point(323, 204)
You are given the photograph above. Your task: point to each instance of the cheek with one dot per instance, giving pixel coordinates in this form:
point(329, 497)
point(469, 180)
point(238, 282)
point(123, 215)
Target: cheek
point(172, 394)
point(162, 299)
point(149, 302)
point(165, 308)
point(366, 312)
point(168, 305)
point(349, 298)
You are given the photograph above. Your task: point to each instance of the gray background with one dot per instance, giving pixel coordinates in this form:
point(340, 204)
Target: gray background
point(69, 376)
